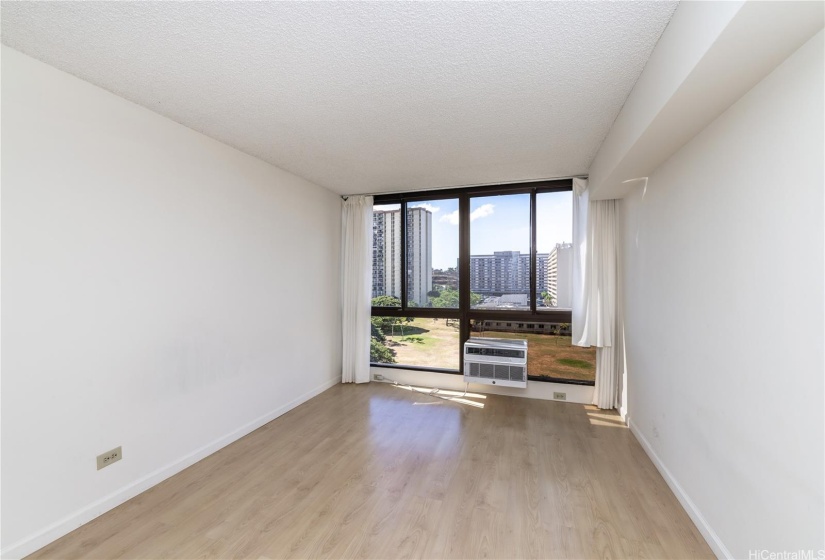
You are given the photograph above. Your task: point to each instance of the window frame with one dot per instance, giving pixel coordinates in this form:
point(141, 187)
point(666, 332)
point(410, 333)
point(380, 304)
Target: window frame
point(464, 312)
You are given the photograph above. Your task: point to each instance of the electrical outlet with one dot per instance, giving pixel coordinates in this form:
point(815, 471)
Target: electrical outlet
point(109, 457)
point(378, 377)
point(560, 396)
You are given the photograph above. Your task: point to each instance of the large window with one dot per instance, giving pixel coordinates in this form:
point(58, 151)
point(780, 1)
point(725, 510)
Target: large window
point(432, 253)
point(500, 251)
point(486, 261)
point(554, 234)
point(415, 341)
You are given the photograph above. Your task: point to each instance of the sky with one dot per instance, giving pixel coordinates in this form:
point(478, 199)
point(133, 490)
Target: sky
point(499, 223)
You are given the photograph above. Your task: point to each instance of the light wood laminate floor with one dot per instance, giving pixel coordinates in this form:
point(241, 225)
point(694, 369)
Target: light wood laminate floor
point(375, 471)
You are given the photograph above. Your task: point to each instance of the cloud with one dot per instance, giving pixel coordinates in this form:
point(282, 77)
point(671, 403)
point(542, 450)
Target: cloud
point(427, 206)
point(451, 218)
point(481, 212)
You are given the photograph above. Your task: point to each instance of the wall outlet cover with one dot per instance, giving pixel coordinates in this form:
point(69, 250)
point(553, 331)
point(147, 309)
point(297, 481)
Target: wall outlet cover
point(111, 456)
point(560, 396)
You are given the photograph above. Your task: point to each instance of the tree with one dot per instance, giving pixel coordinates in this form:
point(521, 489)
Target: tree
point(386, 301)
point(558, 328)
point(380, 354)
point(448, 298)
point(376, 333)
point(547, 297)
point(387, 324)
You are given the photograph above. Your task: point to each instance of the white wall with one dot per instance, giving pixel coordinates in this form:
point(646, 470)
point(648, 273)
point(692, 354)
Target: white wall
point(161, 291)
point(723, 287)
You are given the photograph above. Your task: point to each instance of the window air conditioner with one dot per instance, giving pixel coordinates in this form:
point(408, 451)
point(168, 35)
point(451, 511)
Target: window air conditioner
point(496, 361)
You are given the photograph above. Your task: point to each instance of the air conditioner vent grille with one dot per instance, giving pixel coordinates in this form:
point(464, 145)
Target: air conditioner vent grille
point(505, 366)
point(496, 371)
point(517, 373)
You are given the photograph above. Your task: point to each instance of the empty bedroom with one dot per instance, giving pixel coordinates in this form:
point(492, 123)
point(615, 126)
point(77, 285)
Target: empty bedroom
point(426, 280)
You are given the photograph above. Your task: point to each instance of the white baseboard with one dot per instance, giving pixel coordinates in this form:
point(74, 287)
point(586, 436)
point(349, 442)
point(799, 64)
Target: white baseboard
point(713, 540)
point(71, 522)
point(578, 394)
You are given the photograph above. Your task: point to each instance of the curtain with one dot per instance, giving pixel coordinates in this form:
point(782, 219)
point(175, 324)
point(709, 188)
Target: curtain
point(580, 207)
point(594, 320)
point(599, 311)
point(356, 287)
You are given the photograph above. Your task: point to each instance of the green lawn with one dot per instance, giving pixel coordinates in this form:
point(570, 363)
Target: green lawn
point(426, 342)
point(433, 343)
point(555, 356)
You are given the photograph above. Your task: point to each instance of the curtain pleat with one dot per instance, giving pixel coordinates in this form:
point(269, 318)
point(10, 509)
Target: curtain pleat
point(594, 312)
point(356, 287)
point(606, 391)
point(580, 208)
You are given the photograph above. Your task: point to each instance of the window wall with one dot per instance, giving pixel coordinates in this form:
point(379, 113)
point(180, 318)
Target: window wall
point(459, 263)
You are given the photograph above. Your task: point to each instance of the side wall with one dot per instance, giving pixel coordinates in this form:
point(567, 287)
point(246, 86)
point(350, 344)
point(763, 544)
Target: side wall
point(723, 297)
point(161, 291)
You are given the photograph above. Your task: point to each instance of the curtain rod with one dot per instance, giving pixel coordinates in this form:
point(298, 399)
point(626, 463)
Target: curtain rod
point(345, 196)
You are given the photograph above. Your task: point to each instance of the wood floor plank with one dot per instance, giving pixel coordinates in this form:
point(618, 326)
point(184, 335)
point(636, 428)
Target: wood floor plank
point(376, 471)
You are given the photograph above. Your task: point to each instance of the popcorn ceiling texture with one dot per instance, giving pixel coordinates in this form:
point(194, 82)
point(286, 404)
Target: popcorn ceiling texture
point(365, 97)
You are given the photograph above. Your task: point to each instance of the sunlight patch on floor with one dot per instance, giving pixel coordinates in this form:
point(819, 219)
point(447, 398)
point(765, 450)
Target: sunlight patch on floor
point(600, 417)
point(447, 395)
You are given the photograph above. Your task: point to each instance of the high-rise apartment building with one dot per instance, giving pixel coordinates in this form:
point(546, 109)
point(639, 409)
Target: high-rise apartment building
point(541, 270)
point(559, 275)
point(386, 254)
point(419, 255)
point(505, 272)
point(379, 268)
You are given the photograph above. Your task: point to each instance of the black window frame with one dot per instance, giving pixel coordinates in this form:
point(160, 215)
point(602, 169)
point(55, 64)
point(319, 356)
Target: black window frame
point(464, 313)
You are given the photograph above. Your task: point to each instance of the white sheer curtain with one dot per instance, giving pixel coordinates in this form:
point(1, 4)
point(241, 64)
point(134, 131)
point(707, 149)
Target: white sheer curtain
point(594, 312)
point(356, 287)
point(581, 200)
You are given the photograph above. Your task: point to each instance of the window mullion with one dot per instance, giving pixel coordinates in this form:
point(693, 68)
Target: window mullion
point(463, 273)
point(403, 251)
point(533, 257)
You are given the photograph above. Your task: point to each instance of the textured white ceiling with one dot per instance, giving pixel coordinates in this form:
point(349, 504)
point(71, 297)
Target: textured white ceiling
point(365, 97)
